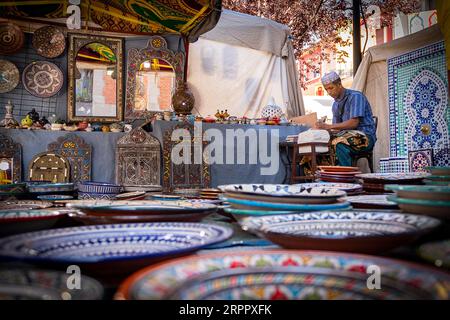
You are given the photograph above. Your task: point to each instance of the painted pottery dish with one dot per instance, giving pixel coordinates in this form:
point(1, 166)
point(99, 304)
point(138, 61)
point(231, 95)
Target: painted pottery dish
point(165, 197)
point(55, 197)
point(439, 178)
point(336, 180)
point(338, 169)
point(288, 283)
point(436, 252)
point(262, 205)
point(240, 214)
point(283, 190)
point(188, 193)
point(128, 218)
point(49, 41)
point(120, 247)
point(268, 198)
point(9, 76)
point(338, 173)
point(439, 193)
point(99, 187)
point(35, 284)
point(42, 79)
point(13, 188)
point(144, 207)
point(438, 209)
point(50, 187)
point(96, 196)
point(437, 183)
point(439, 171)
point(11, 38)
point(25, 204)
point(393, 177)
point(135, 195)
point(19, 221)
point(347, 187)
point(414, 281)
point(346, 231)
point(145, 188)
point(373, 201)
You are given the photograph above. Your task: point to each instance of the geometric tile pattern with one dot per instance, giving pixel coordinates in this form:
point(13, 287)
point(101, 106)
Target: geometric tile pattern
point(419, 113)
point(420, 159)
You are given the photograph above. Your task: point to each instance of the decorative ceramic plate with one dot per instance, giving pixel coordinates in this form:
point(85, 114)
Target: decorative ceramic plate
point(49, 41)
point(34, 284)
point(268, 198)
point(42, 79)
point(262, 205)
point(11, 38)
point(347, 187)
point(24, 204)
point(19, 221)
point(135, 195)
point(437, 183)
point(438, 209)
point(283, 190)
point(50, 187)
point(240, 214)
point(55, 197)
point(436, 252)
point(346, 231)
point(393, 176)
point(439, 178)
point(9, 76)
point(137, 243)
point(13, 187)
point(165, 197)
point(288, 283)
point(375, 201)
point(439, 193)
point(439, 171)
point(144, 207)
point(338, 169)
point(159, 281)
point(339, 174)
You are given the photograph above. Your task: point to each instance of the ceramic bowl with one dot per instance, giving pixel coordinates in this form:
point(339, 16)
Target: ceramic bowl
point(99, 187)
point(439, 193)
point(36, 284)
point(19, 221)
point(338, 169)
point(160, 281)
point(112, 249)
point(438, 209)
point(96, 196)
point(346, 231)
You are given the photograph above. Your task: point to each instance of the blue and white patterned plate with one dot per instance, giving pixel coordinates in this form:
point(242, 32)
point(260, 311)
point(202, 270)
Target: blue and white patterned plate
point(112, 243)
point(283, 190)
point(260, 205)
point(393, 176)
point(348, 187)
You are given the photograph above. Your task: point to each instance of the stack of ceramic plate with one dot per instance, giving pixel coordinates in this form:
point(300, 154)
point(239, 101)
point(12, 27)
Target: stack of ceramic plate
point(428, 200)
point(19, 221)
point(269, 199)
point(107, 212)
point(350, 188)
point(371, 201)
point(110, 250)
point(375, 182)
point(210, 194)
point(283, 274)
point(440, 176)
point(187, 193)
point(352, 231)
point(98, 190)
point(337, 174)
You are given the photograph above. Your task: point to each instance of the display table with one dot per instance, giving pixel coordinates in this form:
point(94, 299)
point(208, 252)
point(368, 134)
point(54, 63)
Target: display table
point(104, 146)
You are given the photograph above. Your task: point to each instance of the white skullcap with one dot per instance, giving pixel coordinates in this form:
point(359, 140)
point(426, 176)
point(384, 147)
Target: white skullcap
point(330, 77)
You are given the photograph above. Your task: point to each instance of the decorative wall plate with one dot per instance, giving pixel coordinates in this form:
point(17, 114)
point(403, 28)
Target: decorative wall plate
point(11, 38)
point(49, 166)
point(42, 79)
point(9, 76)
point(78, 152)
point(10, 160)
point(129, 245)
point(283, 190)
point(159, 281)
point(49, 41)
point(37, 284)
point(346, 231)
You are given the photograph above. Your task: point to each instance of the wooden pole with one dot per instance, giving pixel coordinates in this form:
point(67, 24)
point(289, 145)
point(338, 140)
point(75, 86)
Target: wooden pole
point(357, 56)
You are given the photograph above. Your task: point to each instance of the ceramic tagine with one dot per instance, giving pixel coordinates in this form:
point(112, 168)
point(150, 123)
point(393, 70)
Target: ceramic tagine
point(9, 121)
point(183, 100)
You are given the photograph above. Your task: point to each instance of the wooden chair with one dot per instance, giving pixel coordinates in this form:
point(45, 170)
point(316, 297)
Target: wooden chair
point(367, 154)
point(296, 158)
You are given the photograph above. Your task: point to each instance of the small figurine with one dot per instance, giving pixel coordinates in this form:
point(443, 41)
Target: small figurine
point(43, 121)
point(9, 121)
point(33, 115)
point(27, 121)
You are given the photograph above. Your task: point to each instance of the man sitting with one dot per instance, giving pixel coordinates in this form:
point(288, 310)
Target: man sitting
point(352, 117)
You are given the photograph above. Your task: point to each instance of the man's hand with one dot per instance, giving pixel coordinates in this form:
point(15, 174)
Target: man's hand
point(321, 125)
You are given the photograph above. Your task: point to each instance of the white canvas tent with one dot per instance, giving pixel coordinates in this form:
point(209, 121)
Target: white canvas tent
point(372, 79)
point(241, 64)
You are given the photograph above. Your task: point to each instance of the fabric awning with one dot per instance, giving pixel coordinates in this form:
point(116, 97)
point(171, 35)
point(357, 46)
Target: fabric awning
point(190, 18)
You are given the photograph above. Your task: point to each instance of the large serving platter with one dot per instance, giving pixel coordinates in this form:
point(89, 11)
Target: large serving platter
point(393, 177)
point(268, 198)
point(113, 248)
point(263, 205)
point(43, 188)
point(438, 209)
point(438, 193)
point(349, 188)
point(20, 221)
point(283, 190)
point(162, 280)
point(35, 284)
point(375, 201)
point(346, 231)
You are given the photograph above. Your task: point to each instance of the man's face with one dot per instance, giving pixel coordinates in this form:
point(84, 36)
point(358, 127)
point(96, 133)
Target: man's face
point(334, 90)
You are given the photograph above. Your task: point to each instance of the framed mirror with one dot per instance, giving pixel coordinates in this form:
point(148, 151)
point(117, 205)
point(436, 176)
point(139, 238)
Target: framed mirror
point(153, 73)
point(95, 78)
